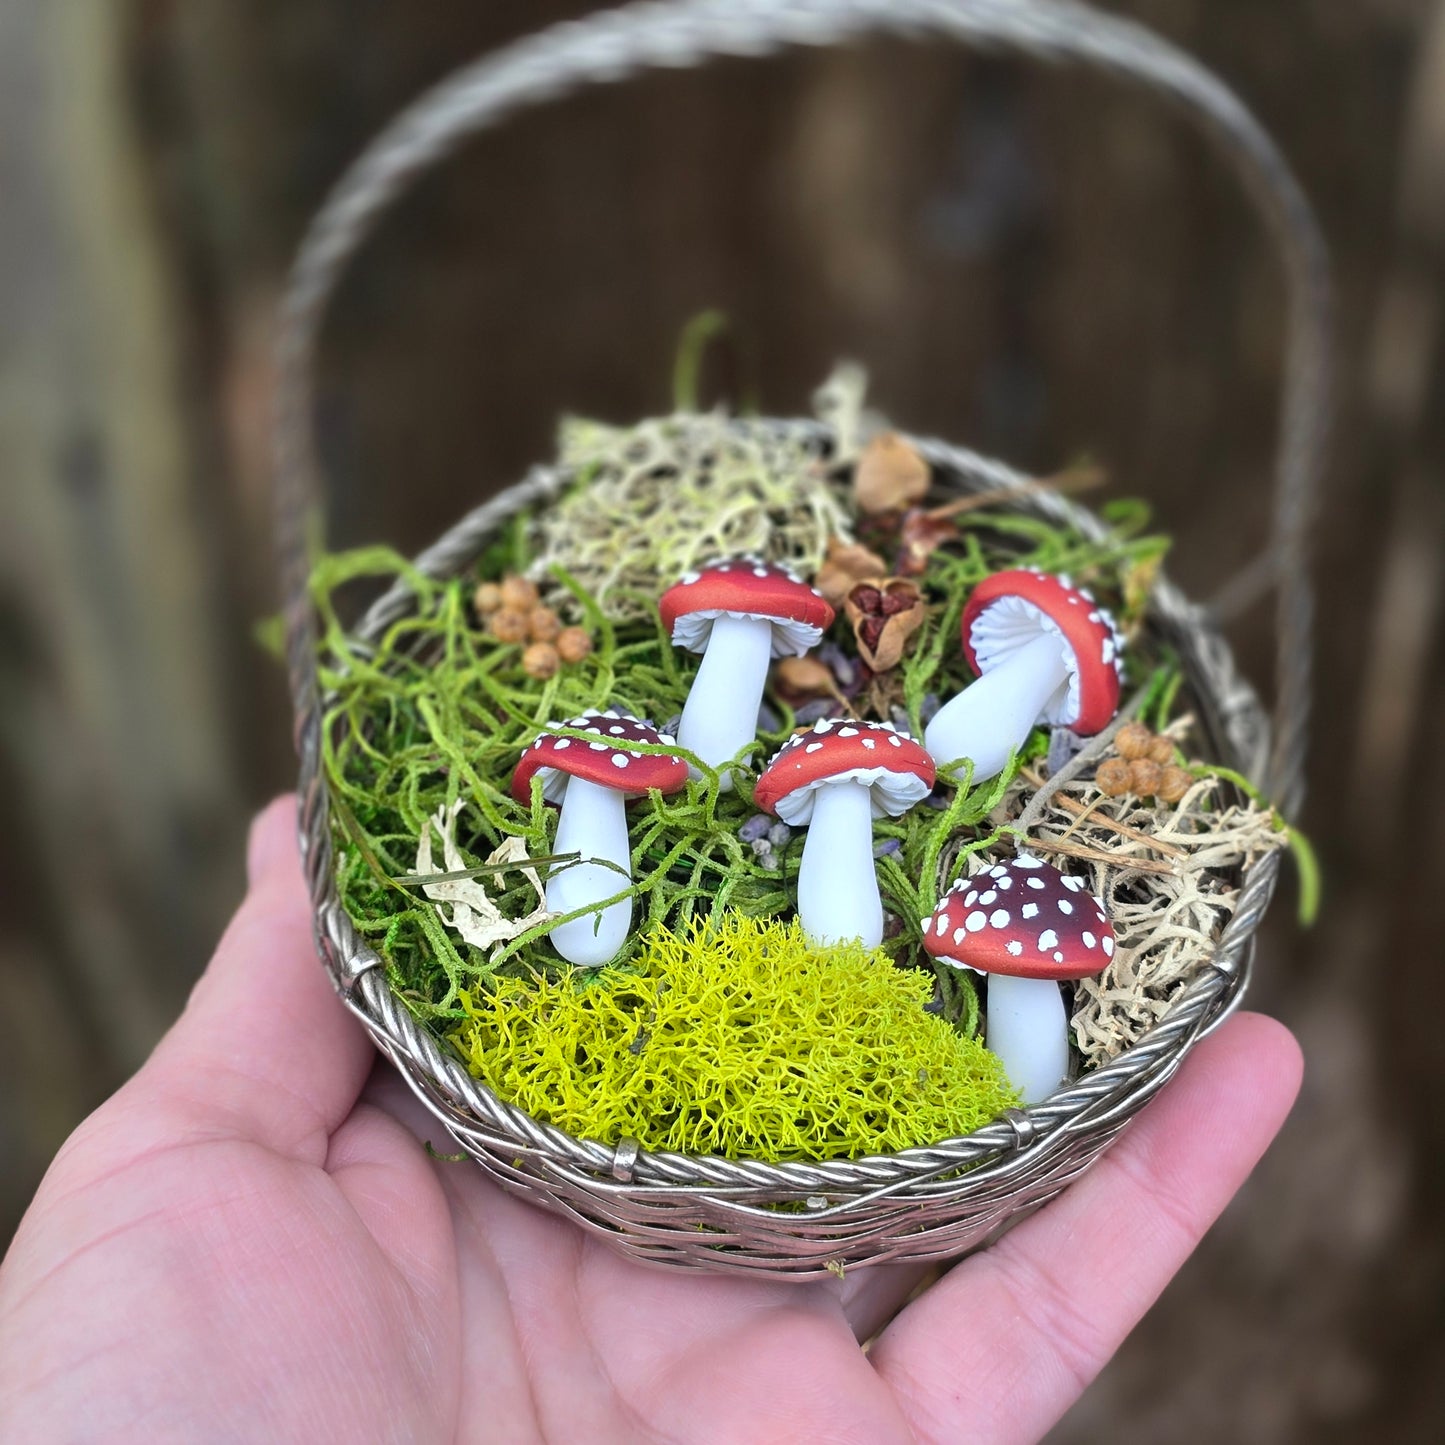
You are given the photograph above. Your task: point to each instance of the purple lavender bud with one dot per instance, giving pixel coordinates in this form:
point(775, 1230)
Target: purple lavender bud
point(1063, 744)
point(844, 668)
point(768, 720)
point(779, 834)
point(887, 848)
point(756, 827)
point(819, 707)
point(899, 718)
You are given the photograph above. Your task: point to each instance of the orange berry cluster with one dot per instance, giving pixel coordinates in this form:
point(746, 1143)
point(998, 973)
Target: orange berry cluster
point(512, 611)
point(1145, 766)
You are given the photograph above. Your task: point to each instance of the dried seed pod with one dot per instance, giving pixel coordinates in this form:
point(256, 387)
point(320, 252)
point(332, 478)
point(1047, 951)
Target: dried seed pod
point(508, 625)
point(487, 599)
point(573, 644)
point(1133, 740)
point(1113, 777)
point(518, 593)
point(541, 660)
point(1175, 784)
point(543, 624)
point(1161, 751)
point(884, 617)
point(846, 565)
point(1145, 777)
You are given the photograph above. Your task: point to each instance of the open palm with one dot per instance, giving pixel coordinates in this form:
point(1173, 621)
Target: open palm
point(249, 1242)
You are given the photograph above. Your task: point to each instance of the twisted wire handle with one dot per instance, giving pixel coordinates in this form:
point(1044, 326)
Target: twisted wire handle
point(617, 44)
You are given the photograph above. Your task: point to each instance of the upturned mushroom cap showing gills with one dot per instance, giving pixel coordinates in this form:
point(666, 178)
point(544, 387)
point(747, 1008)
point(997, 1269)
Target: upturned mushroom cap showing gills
point(896, 770)
point(1024, 920)
point(740, 613)
point(745, 587)
point(1009, 610)
point(605, 761)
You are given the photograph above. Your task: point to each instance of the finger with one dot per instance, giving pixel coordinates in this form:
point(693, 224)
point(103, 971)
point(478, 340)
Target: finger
point(264, 1049)
point(1008, 1340)
point(872, 1297)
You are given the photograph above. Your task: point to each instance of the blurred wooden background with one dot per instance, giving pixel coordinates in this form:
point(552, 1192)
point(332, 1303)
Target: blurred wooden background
point(1033, 263)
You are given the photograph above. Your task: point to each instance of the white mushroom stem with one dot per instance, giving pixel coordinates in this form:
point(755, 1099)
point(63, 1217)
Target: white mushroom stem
point(720, 716)
point(993, 716)
point(838, 880)
point(1029, 1031)
point(594, 824)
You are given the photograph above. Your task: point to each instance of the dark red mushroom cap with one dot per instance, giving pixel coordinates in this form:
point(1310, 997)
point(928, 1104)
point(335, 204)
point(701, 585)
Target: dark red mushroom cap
point(745, 587)
point(607, 760)
point(1022, 918)
point(898, 772)
point(1009, 610)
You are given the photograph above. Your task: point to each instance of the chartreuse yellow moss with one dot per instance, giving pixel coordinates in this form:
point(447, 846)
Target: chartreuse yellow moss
point(735, 1036)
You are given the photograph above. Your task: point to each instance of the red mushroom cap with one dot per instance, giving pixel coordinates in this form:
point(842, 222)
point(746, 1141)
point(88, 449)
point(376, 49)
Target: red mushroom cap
point(607, 761)
point(745, 587)
point(1009, 610)
point(899, 773)
point(1022, 918)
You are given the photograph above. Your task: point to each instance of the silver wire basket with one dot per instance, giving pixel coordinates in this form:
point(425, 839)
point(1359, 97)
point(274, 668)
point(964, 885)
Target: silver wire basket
point(801, 1220)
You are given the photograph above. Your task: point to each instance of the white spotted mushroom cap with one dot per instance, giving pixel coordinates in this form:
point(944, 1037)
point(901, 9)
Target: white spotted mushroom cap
point(606, 760)
point(897, 770)
point(1024, 919)
point(1009, 610)
point(751, 588)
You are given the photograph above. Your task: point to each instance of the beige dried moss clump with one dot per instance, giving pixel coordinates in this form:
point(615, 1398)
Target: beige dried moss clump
point(737, 1038)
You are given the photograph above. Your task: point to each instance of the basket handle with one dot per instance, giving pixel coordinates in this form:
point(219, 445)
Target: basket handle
point(613, 45)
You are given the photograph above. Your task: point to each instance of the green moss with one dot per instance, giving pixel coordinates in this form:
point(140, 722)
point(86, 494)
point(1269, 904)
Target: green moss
point(736, 1037)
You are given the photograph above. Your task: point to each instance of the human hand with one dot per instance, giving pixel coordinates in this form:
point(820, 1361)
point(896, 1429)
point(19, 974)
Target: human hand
point(249, 1242)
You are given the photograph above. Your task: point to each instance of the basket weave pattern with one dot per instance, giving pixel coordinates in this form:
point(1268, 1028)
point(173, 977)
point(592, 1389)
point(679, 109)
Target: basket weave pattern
point(925, 1203)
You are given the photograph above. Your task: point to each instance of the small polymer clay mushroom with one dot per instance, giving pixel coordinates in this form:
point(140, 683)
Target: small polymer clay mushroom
point(591, 780)
point(1028, 927)
point(1045, 652)
point(835, 780)
point(739, 613)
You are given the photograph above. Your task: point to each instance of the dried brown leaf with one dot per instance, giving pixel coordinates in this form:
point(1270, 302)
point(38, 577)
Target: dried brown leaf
point(890, 475)
point(921, 535)
point(804, 677)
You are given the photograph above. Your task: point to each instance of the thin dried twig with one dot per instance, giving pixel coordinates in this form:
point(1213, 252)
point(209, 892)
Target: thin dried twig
point(1101, 856)
point(1081, 479)
point(1083, 811)
point(1085, 758)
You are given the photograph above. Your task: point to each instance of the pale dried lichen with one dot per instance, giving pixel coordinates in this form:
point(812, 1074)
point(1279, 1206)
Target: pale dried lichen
point(671, 492)
point(475, 916)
